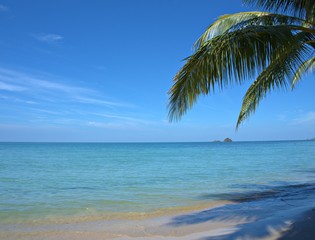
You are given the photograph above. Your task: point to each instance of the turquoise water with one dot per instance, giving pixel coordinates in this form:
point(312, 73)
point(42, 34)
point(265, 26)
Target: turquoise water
point(40, 180)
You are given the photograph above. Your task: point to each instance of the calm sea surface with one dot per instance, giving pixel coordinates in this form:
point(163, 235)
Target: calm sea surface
point(41, 180)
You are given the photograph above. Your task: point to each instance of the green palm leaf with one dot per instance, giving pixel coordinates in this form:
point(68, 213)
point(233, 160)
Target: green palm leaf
point(238, 47)
point(231, 22)
point(299, 8)
point(277, 75)
point(308, 65)
point(224, 60)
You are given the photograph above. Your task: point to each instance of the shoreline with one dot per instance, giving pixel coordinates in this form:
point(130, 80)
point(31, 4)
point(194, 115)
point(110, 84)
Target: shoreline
point(300, 226)
point(113, 216)
point(286, 213)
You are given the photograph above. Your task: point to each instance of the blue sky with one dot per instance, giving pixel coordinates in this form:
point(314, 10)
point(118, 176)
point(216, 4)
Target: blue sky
point(100, 70)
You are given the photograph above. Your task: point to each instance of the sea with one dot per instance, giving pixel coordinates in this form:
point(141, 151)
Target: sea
point(53, 181)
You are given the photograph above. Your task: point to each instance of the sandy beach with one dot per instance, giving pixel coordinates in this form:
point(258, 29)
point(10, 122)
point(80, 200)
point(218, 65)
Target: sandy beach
point(282, 213)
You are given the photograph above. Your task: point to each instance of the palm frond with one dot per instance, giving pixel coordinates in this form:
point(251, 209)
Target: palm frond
point(223, 60)
point(234, 22)
point(299, 8)
point(277, 75)
point(303, 68)
point(279, 47)
point(223, 24)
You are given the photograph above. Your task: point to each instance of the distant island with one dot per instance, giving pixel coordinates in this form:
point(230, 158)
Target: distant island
point(225, 140)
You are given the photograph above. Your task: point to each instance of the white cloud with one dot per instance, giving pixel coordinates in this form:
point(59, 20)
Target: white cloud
point(46, 99)
point(15, 80)
point(48, 37)
point(107, 125)
point(90, 100)
point(3, 8)
point(47, 111)
point(50, 90)
point(281, 117)
point(16, 100)
point(10, 87)
point(112, 121)
point(56, 86)
point(127, 119)
point(304, 118)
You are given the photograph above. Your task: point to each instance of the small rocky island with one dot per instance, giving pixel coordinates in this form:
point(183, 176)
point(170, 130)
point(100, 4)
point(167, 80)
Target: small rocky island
point(227, 140)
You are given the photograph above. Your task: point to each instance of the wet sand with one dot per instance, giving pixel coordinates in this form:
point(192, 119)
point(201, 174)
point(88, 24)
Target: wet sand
point(282, 213)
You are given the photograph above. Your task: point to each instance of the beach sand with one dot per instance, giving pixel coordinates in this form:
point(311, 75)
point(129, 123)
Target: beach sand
point(283, 213)
point(302, 228)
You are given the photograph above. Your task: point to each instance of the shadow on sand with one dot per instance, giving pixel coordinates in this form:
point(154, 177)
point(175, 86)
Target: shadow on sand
point(259, 214)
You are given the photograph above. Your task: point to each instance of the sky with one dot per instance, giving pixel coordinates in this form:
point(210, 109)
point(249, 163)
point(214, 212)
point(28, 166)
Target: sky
point(99, 71)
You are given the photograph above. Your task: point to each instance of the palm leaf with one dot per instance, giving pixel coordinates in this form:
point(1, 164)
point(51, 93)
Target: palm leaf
point(303, 68)
point(221, 61)
point(232, 22)
point(224, 23)
point(300, 8)
point(239, 46)
point(277, 75)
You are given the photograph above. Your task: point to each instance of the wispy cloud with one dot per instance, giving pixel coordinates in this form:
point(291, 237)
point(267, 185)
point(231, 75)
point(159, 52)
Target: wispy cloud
point(304, 118)
point(127, 119)
point(16, 99)
point(47, 111)
point(116, 121)
point(18, 81)
point(281, 117)
point(48, 37)
point(45, 84)
point(108, 125)
point(90, 100)
point(10, 87)
point(44, 97)
point(44, 88)
point(3, 8)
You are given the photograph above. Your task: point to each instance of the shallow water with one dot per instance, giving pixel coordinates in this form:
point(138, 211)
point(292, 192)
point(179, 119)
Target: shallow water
point(44, 180)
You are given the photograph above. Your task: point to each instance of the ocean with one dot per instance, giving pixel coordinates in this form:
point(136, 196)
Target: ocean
point(51, 181)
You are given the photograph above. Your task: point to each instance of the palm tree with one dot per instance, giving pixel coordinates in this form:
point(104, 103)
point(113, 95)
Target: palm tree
point(275, 48)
